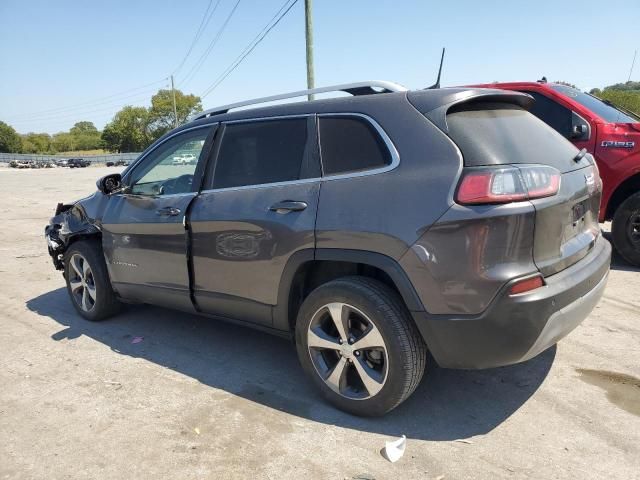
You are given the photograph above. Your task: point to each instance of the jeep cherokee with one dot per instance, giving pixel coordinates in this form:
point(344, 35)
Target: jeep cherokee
point(371, 229)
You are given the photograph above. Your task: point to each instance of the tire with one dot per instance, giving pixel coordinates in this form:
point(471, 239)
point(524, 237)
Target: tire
point(625, 229)
point(373, 314)
point(89, 289)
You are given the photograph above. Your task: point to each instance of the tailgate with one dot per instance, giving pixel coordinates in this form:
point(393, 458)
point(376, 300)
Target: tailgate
point(567, 223)
point(497, 135)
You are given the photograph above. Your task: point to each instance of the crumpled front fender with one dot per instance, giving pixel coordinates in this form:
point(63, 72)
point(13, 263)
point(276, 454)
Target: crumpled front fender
point(69, 223)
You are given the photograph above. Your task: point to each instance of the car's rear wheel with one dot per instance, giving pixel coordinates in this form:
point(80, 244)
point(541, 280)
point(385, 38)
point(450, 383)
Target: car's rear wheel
point(88, 282)
point(358, 343)
point(625, 229)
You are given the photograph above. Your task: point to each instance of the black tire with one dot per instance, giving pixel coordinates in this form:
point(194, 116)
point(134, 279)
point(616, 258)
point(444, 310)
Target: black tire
point(406, 352)
point(105, 303)
point(625, 229)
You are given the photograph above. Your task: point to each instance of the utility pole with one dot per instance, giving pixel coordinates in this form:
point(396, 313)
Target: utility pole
point(309, 37)
point(175, 110)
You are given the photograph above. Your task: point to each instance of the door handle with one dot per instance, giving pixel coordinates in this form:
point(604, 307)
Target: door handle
point(168, 211)
point(288, 206)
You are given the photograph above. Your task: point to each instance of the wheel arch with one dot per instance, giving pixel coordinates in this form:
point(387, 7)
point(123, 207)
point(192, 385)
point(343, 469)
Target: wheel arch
point(308, 269)
point(623, 191)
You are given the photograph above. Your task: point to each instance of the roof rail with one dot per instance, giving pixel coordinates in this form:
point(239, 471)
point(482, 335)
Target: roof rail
point(358, 88)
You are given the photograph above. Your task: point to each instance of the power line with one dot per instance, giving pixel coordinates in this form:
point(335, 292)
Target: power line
point(97, 101)
point(250, 47)
point(203, 25)
point(106, 108)
point(196, 67)
point(88, 109)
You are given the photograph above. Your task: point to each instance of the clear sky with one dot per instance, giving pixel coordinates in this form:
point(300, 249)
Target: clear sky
point(69, 60)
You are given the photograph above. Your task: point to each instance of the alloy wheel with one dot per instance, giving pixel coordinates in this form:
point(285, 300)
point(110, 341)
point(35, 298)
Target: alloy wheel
point(633, 228)
point(81, 282)
point(347, 351)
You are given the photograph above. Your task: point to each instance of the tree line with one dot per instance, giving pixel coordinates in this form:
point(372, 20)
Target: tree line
point(625, 95)
point(132, 129)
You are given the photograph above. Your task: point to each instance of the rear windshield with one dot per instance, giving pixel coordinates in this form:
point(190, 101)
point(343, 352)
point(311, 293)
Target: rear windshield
point(497, 134)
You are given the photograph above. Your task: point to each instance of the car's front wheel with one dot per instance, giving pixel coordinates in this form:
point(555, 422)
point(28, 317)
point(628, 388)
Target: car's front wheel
point(625, 229)
point(88, 282)
point(358, 343)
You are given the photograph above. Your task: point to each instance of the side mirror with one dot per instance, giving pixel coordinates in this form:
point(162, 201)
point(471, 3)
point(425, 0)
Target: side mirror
point(110, 184)
point(579, 131)
point(580, 128)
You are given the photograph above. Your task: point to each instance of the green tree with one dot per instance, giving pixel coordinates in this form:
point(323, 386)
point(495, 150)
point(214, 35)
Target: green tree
point(10, 141)
point(84, 127)
point(36, 143)
point(85, 136)
point(161, 116)
point(128, 131)
point(627, 99)
point(625, 95)
point(624, 86)
point(63, 142)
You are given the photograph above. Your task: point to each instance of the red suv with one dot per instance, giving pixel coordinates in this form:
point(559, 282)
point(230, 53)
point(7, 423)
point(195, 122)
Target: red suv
point(612, 136)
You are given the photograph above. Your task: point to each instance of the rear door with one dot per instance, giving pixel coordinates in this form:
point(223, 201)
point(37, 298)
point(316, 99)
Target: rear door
point(258, 207)
point(143, 235)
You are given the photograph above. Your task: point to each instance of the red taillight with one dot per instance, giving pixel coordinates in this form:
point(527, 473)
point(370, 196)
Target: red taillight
point(526, 285)
point(507, 184)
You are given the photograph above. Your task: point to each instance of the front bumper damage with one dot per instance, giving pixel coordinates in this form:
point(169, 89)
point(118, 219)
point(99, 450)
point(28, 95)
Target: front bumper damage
point(68, 223)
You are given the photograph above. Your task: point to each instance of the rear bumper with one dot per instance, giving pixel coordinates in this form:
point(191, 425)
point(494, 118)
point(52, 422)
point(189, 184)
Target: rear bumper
point(516, 328)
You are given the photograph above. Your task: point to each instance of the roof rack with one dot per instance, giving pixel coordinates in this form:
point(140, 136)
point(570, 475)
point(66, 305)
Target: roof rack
point(358, 88)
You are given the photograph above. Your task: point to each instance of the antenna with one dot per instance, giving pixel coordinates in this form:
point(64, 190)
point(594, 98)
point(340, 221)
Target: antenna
point(633, 63)
point(437, 84)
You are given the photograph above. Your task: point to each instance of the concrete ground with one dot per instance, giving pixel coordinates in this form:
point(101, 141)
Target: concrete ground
point(200, 399)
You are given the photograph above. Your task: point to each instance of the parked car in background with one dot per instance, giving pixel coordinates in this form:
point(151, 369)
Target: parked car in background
point(612, 135)
point(184, 159)
point(118, 163)
point(20, 164)
point(369, 229)
point(78, 163)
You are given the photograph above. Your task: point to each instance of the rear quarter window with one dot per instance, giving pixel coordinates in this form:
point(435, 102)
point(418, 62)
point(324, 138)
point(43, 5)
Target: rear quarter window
point(497, 134)
point(350, 144)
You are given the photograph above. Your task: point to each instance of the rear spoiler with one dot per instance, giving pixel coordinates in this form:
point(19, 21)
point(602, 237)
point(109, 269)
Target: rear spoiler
point(435, 104)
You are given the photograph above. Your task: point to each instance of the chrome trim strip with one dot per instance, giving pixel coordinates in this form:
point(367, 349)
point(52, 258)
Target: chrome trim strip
point(395, 156)
point(381, 84)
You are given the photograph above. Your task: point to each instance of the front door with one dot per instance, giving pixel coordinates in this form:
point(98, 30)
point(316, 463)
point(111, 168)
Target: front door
point(143, 232)
point(257, 209)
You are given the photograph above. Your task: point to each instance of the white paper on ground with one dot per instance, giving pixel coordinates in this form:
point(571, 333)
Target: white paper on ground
point(395, 449)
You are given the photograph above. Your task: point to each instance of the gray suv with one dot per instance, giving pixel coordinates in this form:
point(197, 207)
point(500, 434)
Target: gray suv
point(372, 229)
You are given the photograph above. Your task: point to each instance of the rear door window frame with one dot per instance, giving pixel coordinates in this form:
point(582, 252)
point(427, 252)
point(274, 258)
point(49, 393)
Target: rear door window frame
point(312, 159)
point(207, 184)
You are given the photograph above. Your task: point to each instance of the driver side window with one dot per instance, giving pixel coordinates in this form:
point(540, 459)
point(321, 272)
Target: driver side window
point(170, 168)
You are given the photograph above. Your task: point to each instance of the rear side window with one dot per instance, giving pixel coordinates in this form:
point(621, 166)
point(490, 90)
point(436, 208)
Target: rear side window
point(261, 152)
point(552, 113)
point(350, 144)
point(496, 134)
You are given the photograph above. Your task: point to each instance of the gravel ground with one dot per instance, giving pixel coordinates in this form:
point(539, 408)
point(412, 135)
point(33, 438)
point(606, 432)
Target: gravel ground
point(201, 399)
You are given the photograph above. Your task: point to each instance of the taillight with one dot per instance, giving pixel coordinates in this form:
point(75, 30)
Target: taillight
point(507, 184)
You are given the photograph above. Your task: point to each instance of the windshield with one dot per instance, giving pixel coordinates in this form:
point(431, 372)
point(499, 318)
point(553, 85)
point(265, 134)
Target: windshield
point(606, 111)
